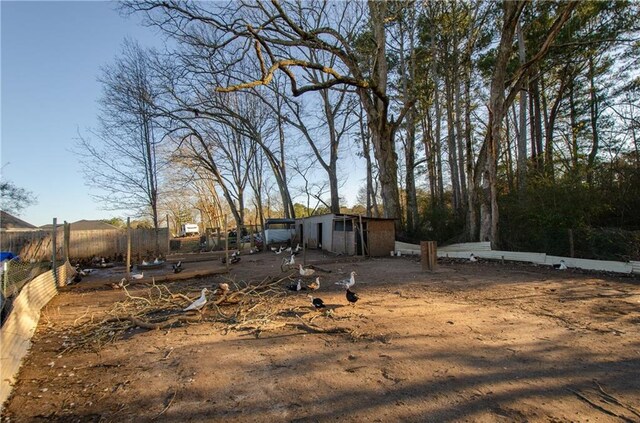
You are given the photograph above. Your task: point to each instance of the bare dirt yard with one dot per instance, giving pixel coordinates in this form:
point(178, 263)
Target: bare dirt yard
point(476, 342)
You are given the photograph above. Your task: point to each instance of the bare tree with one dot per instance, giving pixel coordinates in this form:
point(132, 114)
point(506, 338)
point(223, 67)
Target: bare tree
point(124, 162)
point(13, 198)
point(277, 35)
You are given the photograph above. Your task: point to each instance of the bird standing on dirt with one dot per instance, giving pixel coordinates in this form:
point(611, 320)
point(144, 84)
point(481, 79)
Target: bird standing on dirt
point(472, 258)
point(306, 272)
point(121, 284)
point(235, 257)
point(352, 297)
point(315, 285)
point(295, 286)
point(177, 268)
point(317, 302)
point(560, 266)
point(137, 275)
point(289, 261)
point(199, 303)
point(348, 283)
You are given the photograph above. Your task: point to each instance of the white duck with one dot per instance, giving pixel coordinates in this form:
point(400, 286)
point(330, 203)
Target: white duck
point(199, 303)
point(472, 258)
point(561, 266)
point(348, 283)
point(306, 272)
point(290, 261)
point(137, 275)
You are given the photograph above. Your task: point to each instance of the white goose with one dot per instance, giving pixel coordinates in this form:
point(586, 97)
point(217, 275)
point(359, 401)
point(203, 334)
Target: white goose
point(199, 303)
point(348, 283)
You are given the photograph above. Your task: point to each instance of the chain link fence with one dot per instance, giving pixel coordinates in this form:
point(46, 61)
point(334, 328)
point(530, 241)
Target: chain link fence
point(16, 273)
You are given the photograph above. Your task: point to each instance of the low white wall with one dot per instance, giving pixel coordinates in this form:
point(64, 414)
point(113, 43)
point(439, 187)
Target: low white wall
point(463, 251)
point(18, 329)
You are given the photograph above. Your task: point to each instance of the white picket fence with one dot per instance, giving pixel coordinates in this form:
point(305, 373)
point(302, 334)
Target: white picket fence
point(483, 250)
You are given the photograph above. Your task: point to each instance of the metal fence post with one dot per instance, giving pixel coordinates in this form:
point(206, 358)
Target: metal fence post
point(5, 277)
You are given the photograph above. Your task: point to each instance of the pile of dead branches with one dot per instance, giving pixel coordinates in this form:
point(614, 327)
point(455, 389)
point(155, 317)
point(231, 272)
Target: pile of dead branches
point(238, 305)
point(241, 306)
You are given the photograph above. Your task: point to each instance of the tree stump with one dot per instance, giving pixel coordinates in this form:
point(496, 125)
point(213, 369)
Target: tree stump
point(429, 255)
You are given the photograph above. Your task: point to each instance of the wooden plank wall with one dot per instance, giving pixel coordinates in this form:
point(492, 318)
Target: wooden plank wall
point(381, 237)
point(20, 325)
point(83, 244)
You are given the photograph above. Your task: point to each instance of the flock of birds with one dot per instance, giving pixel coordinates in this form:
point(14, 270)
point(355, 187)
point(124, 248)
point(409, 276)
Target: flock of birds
point(296, 286)
point(318, 303)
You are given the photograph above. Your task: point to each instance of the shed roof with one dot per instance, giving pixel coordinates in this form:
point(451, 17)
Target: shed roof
point(355, 216)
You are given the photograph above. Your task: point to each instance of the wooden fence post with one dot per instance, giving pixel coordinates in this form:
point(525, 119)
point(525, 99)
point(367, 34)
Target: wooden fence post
point(53, 250)
point(226, 243)
point(128, 270)
point(429, 255)
point(571, 249)
point(361, 235)
point(67, 239)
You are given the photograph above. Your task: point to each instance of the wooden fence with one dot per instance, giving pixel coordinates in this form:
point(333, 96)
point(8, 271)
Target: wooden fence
point(37, 245)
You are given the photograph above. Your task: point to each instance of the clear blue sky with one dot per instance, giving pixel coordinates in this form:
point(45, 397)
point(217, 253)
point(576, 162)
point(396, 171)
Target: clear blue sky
point(51, 55)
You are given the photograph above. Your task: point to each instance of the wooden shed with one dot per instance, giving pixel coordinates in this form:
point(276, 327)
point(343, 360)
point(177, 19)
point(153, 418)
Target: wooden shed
point(347, 234)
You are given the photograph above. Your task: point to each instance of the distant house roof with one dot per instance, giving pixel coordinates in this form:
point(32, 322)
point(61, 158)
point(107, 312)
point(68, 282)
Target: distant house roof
point(8, 221)
point(85, 225)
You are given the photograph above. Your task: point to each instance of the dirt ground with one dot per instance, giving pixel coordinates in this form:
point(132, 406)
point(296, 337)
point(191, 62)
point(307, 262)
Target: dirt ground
point(476, 342)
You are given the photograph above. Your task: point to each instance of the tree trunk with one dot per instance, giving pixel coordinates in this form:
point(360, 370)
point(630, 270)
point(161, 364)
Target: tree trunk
point(522, 132)
point(593, 114)
point(472, 216)
point(427, 141)
point(376, 105)
point(438, 119)
point(574, 127)
point(407, 75)
point(366, 152)
point(489, 201)
point(451, 144)
point(536, 122)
